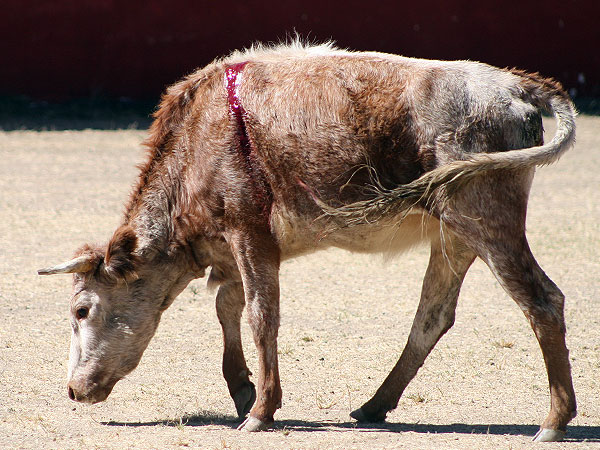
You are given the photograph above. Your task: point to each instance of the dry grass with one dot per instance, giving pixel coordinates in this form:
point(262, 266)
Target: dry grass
point(503, 344)
point(483, 387)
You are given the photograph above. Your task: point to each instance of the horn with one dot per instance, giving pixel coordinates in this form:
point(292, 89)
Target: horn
point(80, 264)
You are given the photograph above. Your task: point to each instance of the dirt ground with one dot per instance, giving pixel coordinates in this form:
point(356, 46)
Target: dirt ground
point(345, 318)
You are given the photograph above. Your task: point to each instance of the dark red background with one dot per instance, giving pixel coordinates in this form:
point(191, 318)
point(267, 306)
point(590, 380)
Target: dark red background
point(61, 49)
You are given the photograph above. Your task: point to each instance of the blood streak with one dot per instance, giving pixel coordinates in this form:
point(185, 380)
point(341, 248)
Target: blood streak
point(263, 195)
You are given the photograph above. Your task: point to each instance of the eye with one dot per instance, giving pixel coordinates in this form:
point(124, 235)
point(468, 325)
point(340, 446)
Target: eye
point(82, 313)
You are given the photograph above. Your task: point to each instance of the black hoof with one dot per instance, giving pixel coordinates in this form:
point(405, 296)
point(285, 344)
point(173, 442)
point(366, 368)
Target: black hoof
point(244, 398)
point(361, 416)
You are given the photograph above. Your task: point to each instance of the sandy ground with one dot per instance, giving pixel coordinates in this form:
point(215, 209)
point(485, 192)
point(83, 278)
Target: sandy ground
point(344, 321)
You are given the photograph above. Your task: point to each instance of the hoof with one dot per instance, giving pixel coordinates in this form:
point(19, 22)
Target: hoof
point(244, 398)
point(360, 416)
point(252, 424)
point(549, 435)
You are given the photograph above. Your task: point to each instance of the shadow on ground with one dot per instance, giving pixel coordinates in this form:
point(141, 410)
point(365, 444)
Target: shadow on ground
point(574, 433)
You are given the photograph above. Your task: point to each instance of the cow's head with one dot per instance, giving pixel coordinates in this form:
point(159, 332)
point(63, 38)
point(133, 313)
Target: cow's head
point(117, 301)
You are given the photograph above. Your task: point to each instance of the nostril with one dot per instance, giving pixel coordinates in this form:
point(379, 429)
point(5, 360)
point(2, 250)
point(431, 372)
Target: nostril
point(71, 393)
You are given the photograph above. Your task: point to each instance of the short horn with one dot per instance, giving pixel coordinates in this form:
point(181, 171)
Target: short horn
point(80, 264)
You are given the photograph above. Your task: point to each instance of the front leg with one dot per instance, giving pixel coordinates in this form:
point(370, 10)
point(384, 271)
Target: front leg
point(230, 303)
point(257, 256)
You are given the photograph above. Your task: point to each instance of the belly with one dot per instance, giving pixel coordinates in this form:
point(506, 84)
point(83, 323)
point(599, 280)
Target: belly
point(297, 236)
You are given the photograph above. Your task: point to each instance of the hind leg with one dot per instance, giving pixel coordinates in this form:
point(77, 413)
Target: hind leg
point(230, 303)
point(542, 303)
point(435, 315)
point(489, 215)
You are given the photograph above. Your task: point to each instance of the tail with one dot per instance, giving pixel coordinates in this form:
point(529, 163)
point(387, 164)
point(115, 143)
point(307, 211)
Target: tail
point(438, 185)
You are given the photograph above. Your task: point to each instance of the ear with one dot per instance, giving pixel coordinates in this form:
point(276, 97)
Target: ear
point(120, 260)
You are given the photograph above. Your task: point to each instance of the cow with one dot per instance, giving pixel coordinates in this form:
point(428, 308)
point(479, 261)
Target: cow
point(277, 151)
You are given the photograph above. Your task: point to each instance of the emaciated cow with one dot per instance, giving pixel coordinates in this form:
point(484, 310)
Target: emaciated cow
point(272, 153)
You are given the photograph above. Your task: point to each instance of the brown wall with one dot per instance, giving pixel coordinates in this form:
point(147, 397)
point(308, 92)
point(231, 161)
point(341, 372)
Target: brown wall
point(59, 49)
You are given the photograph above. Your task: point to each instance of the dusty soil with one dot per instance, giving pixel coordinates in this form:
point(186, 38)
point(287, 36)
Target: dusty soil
point(344, 321)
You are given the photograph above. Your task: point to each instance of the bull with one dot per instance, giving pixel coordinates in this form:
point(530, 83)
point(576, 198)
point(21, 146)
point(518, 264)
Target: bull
point(272, 153)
